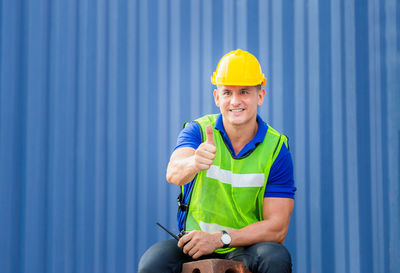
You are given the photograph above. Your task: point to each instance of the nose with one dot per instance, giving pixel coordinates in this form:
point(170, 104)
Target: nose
point(235, 99)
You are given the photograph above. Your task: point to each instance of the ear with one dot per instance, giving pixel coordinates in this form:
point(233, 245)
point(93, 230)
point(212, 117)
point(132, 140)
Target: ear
point(216, 97)
point(261, 96)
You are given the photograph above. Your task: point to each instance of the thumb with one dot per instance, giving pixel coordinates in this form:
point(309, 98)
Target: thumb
point(210, 135)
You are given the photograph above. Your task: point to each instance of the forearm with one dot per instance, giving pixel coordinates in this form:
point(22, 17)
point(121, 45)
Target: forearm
point(263, 231)
point(276, 212)
point(181, 171)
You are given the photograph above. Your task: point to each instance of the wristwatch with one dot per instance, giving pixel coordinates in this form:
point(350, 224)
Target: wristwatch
point(225, 239)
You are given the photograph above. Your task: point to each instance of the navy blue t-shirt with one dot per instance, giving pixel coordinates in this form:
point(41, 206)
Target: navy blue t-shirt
point(280, 180)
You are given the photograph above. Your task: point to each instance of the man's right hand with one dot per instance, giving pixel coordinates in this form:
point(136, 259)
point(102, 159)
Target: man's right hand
point(205, 154)
point(186, 162)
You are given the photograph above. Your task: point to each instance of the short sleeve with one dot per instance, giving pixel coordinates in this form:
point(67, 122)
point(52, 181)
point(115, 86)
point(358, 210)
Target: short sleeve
point(281, 180)
point(190, 136)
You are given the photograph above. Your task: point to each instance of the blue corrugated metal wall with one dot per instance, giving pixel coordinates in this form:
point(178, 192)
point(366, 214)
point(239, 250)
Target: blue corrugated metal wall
point(94, 93)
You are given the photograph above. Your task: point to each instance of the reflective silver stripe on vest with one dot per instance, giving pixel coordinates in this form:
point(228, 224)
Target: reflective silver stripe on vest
point(212, 227)
point(234, 179)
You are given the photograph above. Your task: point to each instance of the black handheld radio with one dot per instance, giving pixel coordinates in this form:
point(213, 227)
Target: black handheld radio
point(177, 237)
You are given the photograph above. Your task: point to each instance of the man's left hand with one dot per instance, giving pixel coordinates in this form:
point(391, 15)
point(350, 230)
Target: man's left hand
point(198, 243)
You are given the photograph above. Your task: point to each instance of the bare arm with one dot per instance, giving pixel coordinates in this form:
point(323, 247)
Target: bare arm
point(273, 228)
point(186, 162)
point(181, 167)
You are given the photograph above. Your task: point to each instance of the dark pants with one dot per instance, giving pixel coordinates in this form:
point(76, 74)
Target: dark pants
point(167, 257)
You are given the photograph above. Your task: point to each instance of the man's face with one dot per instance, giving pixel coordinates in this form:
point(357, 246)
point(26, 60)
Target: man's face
point(238, 104)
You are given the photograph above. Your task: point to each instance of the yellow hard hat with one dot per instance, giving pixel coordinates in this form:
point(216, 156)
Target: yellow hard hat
point(238, 67)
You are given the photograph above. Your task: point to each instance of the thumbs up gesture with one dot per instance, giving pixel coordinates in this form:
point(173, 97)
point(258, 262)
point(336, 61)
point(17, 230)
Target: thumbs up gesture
point(205, 153)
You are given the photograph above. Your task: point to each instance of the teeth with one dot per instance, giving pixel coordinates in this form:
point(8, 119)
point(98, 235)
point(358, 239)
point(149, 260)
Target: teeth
point(237, 110)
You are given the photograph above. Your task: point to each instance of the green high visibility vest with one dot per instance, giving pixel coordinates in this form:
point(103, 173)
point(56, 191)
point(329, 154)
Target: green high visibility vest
point(230, 194)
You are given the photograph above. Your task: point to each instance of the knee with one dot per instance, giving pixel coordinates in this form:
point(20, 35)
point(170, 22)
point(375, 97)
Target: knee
point(164, 256)
point(146, 263)
point(150, 260)
point(274, 256)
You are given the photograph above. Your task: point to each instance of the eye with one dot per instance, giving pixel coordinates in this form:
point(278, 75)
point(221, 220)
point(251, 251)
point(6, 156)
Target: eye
point(244, 92)
point(226, 93)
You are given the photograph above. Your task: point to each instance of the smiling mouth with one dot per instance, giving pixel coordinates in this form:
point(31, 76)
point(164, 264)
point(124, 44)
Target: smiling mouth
point(236, 110)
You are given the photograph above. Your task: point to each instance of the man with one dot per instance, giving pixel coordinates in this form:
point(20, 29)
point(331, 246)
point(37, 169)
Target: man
point(236, 175)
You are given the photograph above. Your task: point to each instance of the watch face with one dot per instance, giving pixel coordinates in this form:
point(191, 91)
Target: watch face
point(226, 239)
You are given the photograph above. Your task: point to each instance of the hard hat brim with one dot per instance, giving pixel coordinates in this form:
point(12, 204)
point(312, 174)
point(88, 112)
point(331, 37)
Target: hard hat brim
point(220, 81)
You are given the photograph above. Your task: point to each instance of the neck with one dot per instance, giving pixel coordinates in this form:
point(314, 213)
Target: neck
point(241, 135)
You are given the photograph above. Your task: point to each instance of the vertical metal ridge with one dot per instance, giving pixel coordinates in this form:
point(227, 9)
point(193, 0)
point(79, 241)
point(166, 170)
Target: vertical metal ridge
point(207, 63)
point(337, 135)
point(195, 46)
point(81, 256)
point(344, 133)
point(263, 54)
point(252, 28)
point(363, 118)
point(288, 69)
point(288, 94)
point(121, 140)
point(163, 150)
point(184, 66)
point(384, 121)
point(195, 79)
point(376, 139)
point(314, 136)
point(270, 63)
point(393, 102)
point(326, 138)
point(217, 37)
point(143, 233)
point(299, 151)
point(277, 67)
point(131, 164)
point(100, 261)
point(307, 136)
point(112, 65)
point(21, 80)
point(241, 24)
point(228, 26)
point(34, 249)
point(352, 179)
